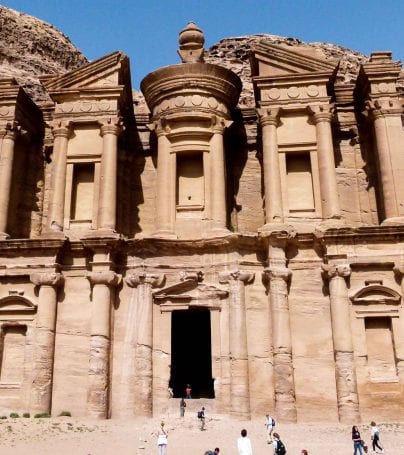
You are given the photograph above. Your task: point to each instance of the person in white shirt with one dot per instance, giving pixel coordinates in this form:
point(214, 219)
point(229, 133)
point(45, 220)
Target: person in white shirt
point(375, 437)
point(244, 444)
point(270, 427)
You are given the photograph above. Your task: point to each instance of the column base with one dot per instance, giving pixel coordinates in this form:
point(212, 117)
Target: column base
point(393, 221)
point(268, 228)
point(104, 233)
point(164, 234)
point(217, 232)
point(52, 234)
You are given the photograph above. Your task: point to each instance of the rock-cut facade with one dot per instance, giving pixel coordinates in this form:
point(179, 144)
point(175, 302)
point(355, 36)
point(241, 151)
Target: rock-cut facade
point(239, 229)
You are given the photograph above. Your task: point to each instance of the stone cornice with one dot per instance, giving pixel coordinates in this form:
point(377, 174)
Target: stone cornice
point(17, 245)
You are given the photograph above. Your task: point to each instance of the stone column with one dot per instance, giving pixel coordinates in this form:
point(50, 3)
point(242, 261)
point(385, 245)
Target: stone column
point(144, 340)
point(398, 326)
point(61, 134)
point(41, 388)
point(284, 385)
point(322, 117)
point(347, 393)
point(269, 121)
point(98, 385)
point(8, 136)
point(239, 388)
point(165, 200)
point(389, 197)
point(108, 177)
point(218, 176)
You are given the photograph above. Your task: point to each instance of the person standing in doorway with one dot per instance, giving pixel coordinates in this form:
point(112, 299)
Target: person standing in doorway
point(375, 437)
point(162, 440)
point(357, 440)
point(244, 444)
point(188, 391)
point(269, 423)
point(183, 405)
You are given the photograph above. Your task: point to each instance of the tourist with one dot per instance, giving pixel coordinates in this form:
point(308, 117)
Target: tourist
point(162, 440)
point(375, 437)
point(213, 452)
point(279, 446)
point(357, 440)
point(244, 444)
point(304, 452)
point(183, 405)
point(188, 392)
point(201, 417)
point(269, 423)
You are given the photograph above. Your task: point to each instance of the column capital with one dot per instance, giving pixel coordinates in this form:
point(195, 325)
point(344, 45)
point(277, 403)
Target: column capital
point(333, 270)
point(399, 268)
point(187, 275)
point(321, 112)
point(134, 279)
point(111, 126)
point(61, 129)
point(9, 130)
point(107, 277)
point(269, 116)
point(219, 124)
point(236, 275)
point(53, 279)
point(160, 127)
point(282, 273)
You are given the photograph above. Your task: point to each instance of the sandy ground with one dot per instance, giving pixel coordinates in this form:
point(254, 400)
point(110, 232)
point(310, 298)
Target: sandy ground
point(65, 435)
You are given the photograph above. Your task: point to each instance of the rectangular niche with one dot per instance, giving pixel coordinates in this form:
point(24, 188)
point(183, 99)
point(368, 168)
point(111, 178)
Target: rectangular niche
point(299, 182)
point(81, 208)
point(13, 355)
point(190, 184)
point(380, 349)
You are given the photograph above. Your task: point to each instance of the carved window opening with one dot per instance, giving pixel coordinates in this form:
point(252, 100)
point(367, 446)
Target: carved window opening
point(81, 208)
point(191, 353)
point(190, 184)
point(380, 349)
point(299, 180)
point(13, 341)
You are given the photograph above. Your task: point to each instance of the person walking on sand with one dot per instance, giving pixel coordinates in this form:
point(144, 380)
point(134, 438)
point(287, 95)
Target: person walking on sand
point(357, 440)
point(162, 440)
point(304, 452)
point(201, 417)
point(213, 452)
point(375, 437)
point(183, 405)
point(269, 423)
point(279, 446)
point(244, 444)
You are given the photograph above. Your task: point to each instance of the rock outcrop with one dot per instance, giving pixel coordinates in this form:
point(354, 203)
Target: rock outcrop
point(30, 48)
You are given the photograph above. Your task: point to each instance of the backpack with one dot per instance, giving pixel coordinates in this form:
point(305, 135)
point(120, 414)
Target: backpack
point(200, 414)
point(280, 448)
point(273, 421)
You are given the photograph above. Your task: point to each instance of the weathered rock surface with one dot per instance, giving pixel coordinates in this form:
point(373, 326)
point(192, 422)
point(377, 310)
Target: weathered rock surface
point(30, 48)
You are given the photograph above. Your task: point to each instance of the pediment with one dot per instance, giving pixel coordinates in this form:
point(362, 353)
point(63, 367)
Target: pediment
point(271, 60)
point(110, 71)
point(376, 294)
point(16, 304)
point(188, 290)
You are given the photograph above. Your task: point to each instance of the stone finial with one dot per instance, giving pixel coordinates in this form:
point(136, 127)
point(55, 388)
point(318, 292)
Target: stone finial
point(191, 41)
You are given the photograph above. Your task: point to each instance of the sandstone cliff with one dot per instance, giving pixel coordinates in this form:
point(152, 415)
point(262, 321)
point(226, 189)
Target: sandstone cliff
point(30, 48)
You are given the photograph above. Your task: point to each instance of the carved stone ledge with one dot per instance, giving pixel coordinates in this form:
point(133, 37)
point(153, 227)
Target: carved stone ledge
point(134, 279)
point(333, 270)
point(47, 279)
point(107, 278)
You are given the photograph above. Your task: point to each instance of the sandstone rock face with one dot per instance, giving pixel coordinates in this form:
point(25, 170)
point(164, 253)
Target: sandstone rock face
point(250, 245)
point(30, 48)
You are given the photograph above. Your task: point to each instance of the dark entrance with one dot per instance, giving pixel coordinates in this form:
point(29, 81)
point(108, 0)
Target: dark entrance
point(191, 358)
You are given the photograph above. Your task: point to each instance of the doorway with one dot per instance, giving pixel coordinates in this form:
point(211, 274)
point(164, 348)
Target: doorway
point(191, 353)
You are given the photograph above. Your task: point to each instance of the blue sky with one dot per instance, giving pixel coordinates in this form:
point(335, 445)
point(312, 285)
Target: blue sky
point(147, 31)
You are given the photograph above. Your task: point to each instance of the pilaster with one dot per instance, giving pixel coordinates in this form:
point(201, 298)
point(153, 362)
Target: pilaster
point(239, 386)
point(41, 387)
point(345, 374)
